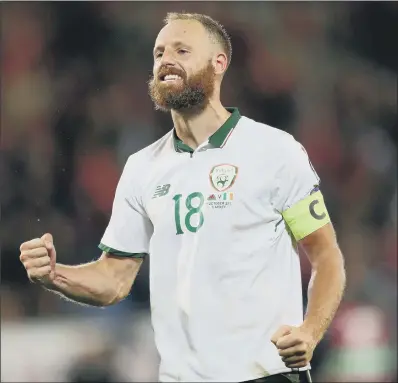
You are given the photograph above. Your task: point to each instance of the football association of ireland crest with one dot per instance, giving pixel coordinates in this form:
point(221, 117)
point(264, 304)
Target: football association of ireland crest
point(223, 176)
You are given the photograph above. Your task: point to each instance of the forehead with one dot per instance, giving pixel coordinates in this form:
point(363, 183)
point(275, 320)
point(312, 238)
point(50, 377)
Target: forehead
point(190, 32)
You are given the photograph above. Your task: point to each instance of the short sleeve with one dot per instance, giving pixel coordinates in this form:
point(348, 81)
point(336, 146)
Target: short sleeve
point(296, 178)
point(129, 230)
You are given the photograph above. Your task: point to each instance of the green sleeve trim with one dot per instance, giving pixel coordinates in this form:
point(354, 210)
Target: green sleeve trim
point(119, 253)
point(306, 216)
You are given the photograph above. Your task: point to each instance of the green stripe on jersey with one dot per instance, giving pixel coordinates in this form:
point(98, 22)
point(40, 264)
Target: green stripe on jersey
point(218, 138)
point(119, 253)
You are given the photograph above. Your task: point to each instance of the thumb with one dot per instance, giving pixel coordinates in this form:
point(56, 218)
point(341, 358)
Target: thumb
point(48, 240)
point(282, 331)
point(49, 243)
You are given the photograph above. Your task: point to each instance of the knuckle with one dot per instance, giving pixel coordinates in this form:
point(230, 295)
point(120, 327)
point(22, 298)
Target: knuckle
point(28, 265)
point(24, 256)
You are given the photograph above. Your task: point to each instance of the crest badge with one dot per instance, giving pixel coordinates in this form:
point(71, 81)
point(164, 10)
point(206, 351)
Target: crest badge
point(223, 176)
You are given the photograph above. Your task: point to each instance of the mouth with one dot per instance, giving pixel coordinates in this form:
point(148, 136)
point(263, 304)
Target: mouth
point(169, 78)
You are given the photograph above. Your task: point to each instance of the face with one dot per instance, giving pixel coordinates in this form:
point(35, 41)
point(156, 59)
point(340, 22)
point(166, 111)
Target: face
point(184, 73)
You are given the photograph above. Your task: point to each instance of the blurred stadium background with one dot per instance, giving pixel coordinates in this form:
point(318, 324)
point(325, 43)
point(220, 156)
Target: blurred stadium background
point(75, 106)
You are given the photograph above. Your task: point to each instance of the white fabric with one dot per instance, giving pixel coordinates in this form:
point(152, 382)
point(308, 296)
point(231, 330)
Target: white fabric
point(129, 229)
point(218, 294)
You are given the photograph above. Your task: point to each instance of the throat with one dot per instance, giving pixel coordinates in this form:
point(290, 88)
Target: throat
point(195, 130)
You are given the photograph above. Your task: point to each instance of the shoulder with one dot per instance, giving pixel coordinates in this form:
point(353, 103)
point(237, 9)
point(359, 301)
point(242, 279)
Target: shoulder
point(267, 138)
point(145, 158)
point(150, 153)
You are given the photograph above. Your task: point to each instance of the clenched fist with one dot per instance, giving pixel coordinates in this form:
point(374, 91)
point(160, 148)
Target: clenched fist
point(39, 257)
point(295, 346)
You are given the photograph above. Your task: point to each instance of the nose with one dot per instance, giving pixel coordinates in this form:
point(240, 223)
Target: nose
point(167, 59)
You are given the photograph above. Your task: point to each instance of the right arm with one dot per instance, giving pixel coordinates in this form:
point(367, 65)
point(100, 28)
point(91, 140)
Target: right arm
point(100, 283)
point(124, 244)
point(103, 282)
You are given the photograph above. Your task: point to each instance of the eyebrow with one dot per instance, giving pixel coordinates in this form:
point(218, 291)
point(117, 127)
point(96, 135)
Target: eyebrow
point(175, 44)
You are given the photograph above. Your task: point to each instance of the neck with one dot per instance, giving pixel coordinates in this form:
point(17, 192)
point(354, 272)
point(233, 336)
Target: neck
point(194, 129)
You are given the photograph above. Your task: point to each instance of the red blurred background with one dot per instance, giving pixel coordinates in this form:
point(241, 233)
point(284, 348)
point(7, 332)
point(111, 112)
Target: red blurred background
point(75, 106)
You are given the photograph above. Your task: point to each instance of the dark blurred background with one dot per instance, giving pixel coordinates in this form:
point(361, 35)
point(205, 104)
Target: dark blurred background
point(75, 106)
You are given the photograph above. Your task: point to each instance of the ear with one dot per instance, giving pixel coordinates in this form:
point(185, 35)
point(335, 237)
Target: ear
point(220, 63)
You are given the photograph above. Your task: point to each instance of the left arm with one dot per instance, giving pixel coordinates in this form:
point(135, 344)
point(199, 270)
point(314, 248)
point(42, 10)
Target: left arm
point(296, 344)
point(327, 282)
point(302, 206)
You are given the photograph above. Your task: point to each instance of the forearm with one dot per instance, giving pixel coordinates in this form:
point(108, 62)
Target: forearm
point(325, 292)
point(87, 284)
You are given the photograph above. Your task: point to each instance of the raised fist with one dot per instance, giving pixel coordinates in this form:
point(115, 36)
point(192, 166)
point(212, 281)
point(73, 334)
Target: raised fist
point(39, 257)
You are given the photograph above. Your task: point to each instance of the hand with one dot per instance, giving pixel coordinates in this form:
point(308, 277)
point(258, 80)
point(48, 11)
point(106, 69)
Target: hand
point(39, 257)
point(294, 345)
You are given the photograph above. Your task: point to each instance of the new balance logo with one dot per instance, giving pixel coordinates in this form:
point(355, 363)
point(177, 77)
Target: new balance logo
point(161, 190)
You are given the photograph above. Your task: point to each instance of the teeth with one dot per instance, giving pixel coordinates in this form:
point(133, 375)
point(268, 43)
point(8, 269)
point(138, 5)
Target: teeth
point(171, 77)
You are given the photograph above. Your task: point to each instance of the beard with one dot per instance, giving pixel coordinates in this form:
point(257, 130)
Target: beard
point(189, 94)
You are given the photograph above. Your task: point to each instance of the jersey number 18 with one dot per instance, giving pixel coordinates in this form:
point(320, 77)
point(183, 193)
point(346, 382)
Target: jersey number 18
point(191, 212)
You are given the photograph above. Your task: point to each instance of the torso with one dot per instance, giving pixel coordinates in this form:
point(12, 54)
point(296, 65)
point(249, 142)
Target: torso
point(224, 271)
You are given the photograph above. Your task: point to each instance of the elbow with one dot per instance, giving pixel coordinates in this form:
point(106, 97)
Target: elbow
point(111, 299)
point(340, 280)
point(340, 268)
point(337, 269)
point(337, 266)
point(330, 258)
point(337, 273)
point(331, 263)
point(117, 294)
point(343, 277)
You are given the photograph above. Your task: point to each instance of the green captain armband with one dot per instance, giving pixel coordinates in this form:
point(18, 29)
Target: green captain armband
point(306, 216)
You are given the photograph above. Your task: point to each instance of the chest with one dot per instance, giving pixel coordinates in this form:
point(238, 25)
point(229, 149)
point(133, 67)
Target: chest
point(218, 183)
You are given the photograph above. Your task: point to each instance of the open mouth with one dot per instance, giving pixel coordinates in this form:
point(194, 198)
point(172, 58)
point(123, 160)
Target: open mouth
point(170, 78)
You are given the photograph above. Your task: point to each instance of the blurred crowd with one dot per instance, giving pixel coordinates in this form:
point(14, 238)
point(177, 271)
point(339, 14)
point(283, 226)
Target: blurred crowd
point(75, 106)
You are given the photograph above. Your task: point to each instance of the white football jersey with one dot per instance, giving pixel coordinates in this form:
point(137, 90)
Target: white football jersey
point(224, 267)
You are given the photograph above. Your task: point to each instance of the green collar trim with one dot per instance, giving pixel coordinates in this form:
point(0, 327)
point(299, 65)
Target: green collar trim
point(218, 139)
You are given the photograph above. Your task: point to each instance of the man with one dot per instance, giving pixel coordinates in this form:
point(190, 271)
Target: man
point(220, 203)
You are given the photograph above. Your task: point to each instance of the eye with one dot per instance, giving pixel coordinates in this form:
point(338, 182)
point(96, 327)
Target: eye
point(182, 51)
point(158, 55)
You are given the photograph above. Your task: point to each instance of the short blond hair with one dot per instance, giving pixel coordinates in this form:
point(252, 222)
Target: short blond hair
point(215, 29)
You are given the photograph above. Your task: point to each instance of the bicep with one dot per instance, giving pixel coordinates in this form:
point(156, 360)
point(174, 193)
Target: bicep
point(307, 216)
point(321, 245)
point(322, 250)
point(310, 224)
point(301, 203)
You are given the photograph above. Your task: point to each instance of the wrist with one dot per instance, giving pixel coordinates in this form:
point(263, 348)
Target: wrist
point(47, 283)
point(53, 281)
point(312, 332)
